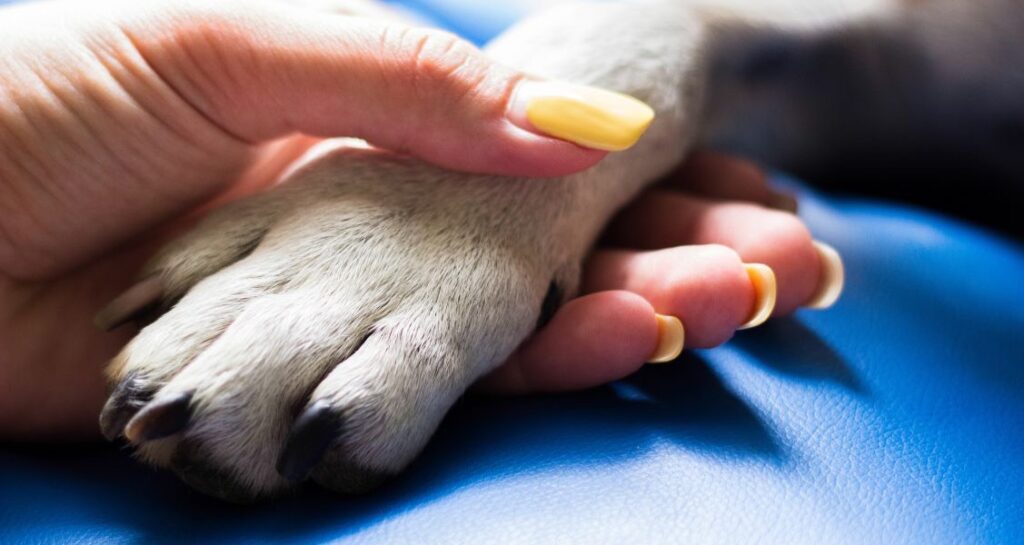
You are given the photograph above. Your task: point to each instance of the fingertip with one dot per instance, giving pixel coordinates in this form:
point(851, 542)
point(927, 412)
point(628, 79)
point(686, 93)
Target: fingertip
point(705, 286)
point(514, 151)
point(592, 117)
point(552, 128)
point(417, 91)
point(492, 146)
point(522, 127)
point(591, 340)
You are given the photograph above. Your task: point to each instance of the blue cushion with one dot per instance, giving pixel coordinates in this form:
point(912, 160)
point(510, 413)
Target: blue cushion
point(894, 417)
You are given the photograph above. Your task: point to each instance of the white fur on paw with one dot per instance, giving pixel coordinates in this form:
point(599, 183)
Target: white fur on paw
point(323, 329)
point(364, 308)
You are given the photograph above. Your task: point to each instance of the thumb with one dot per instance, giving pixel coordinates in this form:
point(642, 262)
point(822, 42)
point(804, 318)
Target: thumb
point(261, 70)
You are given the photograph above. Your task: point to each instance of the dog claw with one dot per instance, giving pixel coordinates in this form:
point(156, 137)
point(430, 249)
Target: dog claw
point(160, 418)
point(312, 434)
point(125, 400)
point(133, 302)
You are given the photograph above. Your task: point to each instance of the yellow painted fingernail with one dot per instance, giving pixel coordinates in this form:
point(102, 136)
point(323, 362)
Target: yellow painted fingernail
point(588, 116)
point(830, 285)
point(671, 337)
point(765, 290)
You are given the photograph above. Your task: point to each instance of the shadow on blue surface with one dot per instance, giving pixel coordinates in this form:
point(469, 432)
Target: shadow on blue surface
point(894, 413)
point(483, 440)
point(787, 346)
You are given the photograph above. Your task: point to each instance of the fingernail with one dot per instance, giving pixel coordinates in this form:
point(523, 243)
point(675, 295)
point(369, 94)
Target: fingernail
point(781, 200)
point(588, 116)
point(765, 289)
point(671, 337)
point(310, 437)
point(160, 418)
point(830, 285)
point(133, 302)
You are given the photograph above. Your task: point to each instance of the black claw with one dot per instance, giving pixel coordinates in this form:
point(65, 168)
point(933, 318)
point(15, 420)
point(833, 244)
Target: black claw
point(312, 434)
point(130, 395)
point(160, 418)
point(552, 300)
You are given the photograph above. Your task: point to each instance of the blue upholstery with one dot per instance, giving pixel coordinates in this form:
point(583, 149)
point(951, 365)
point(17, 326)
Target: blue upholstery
point(895, 417)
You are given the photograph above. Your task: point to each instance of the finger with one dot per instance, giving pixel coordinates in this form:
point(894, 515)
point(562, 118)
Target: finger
point(728, 177)
point(804, 270)
point(269, 165)
point(708, 287)
point(361, 8)
point(421, 91)
point(590, 341)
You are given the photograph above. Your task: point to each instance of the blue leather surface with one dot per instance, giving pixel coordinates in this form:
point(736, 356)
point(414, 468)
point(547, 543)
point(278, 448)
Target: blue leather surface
point(895, 417)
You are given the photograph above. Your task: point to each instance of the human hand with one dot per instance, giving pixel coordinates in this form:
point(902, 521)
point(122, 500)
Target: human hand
point(683, 264)
point(167, 104)
point(118, 120)
point(139, 127)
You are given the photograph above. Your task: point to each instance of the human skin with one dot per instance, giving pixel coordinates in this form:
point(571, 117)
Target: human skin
point(121, 124)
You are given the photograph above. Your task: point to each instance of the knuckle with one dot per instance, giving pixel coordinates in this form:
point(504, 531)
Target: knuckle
point(784, 243)
point(435, 60)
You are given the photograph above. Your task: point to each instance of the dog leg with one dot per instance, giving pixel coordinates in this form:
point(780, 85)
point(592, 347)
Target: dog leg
point(323, 329)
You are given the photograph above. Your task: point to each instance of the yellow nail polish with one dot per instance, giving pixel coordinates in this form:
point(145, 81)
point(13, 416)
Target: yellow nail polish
point(830, 285)
point(587, 116)
point(671, 337)
point(765, 289)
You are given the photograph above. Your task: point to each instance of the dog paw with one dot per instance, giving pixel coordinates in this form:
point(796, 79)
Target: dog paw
point(323, 329)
